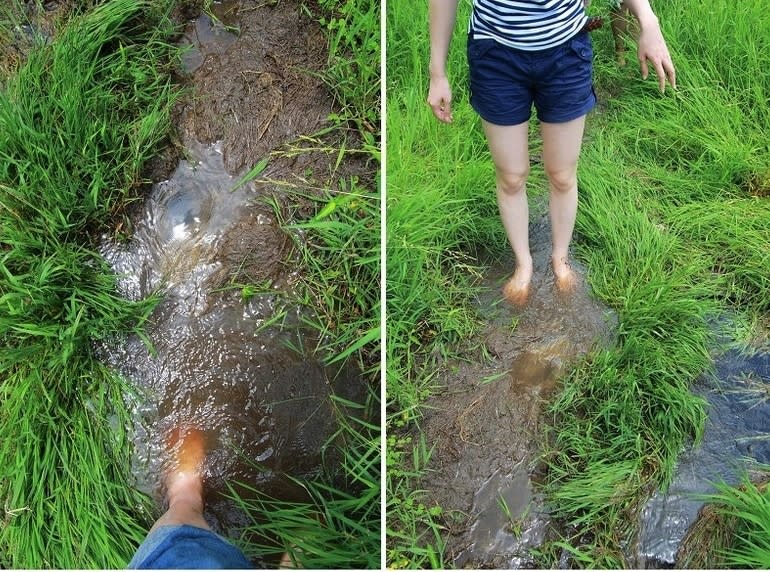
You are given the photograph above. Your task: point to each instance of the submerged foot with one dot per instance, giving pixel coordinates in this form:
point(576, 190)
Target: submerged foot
point(566, 279)
point(516, 290)
point(184, 482)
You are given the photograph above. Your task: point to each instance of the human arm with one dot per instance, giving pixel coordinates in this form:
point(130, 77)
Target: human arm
point(443, 15)
point(652, 46)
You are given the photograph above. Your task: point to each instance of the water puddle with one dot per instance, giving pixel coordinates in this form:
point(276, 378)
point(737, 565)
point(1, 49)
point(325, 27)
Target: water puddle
point(484, 426)
point(206, 36)
point(510, 518)
point(262, 403)
point(737, 432)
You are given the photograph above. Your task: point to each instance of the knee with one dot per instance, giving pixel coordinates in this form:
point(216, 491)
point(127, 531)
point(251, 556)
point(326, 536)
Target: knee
point(562, 181)
point(512, 182)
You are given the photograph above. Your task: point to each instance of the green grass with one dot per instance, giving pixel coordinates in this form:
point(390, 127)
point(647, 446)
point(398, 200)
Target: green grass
point(353, 71)
point(339, 526)
point(671, 226)
point(733, 529)
point(337, 251)
point(77, 122)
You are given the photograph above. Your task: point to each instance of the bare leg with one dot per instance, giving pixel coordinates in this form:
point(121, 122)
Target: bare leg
point(184, 481)
point(561, 149)
point(619, 25)
point(510, 153)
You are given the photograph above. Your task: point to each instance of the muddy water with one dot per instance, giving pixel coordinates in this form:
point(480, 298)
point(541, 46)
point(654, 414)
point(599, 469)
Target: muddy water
point(737, 433)
point(485, 423)
point(262, 404)
point(261, 400)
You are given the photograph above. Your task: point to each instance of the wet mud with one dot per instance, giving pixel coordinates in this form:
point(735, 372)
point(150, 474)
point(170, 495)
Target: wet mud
point(210, 360)
point(255, 78)
point(737, 434)
point(484, 423)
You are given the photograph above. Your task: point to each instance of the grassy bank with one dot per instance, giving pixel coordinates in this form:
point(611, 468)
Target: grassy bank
point(337, 252)
point(77, 121)
point(673, 216)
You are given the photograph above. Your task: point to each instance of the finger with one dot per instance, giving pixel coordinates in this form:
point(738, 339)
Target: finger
point(643, 65)
point(660, 72)
point(445, 114)
point(438, 111)
point(670, 72)
point(442, 110)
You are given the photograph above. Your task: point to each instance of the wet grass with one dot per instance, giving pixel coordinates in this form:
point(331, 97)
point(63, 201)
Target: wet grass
point(77, 121)
point(353, 71)
point(671, 227)
point(335, 231)
point(732, 530)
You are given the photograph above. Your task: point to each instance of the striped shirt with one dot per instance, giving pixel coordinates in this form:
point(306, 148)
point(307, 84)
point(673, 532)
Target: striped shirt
point(527, 24)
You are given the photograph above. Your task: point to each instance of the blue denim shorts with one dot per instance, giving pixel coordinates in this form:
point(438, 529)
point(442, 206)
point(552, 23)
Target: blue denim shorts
point(505, 82)
point(187, 547)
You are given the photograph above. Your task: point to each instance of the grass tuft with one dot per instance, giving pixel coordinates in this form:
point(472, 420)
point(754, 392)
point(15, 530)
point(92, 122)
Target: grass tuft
point(77, 122)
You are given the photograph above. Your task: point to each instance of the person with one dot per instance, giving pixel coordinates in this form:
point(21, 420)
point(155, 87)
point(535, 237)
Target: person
point(522, 52)
point(181, 538)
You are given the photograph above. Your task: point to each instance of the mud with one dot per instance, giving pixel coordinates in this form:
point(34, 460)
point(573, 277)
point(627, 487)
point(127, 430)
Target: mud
point(484, 424)
point(254, 73)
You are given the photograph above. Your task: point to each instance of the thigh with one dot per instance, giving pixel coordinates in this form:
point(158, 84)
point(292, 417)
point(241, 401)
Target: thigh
point(561, 145)
point(509, 148)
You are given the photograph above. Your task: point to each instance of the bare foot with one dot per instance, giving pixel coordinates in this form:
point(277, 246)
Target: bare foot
point(185, 481)
point(566, 279)
point(516, 290)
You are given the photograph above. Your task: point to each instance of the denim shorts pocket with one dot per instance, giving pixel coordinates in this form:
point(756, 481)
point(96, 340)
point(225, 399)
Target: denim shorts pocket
point(581, 47)
point(478, 48)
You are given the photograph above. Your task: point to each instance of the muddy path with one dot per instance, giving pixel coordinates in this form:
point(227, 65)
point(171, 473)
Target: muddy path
point(484, 423)
point(260, 396)
point(484, 427)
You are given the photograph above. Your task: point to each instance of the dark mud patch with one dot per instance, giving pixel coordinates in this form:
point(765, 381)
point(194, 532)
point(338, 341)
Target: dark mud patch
point(484, 424)
point(255, 75)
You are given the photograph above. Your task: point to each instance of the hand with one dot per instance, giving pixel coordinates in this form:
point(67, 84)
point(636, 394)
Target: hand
point(652, 48)
point(440, 99)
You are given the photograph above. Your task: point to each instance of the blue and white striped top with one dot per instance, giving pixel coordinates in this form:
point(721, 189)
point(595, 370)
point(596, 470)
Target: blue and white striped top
point(527, 24)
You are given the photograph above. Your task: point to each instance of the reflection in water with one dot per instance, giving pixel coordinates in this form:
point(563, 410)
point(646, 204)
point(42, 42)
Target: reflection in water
point(737, 432)
point(255, 396)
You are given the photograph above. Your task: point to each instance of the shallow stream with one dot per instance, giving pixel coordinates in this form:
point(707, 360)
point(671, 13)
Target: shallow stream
point(260, 400)
point(211, 359)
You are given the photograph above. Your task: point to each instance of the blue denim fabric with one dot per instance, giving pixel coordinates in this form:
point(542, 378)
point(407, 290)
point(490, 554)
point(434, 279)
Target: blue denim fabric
point(187, 547)
point(505, 82)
